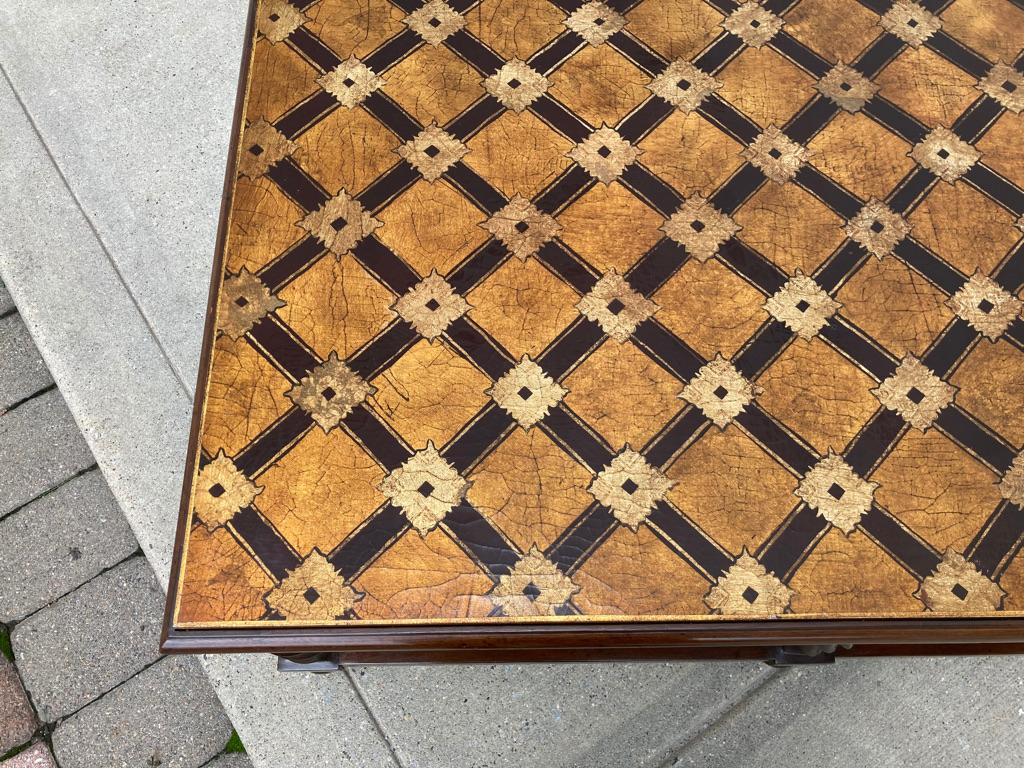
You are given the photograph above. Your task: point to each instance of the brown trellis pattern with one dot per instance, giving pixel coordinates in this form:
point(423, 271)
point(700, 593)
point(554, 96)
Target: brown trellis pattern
point(338, 481)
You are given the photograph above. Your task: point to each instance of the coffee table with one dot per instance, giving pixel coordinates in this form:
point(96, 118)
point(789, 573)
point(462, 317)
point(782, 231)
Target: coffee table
point(561, 330)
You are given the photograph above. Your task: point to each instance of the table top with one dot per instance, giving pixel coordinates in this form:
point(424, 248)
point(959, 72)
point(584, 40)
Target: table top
point(560, 312)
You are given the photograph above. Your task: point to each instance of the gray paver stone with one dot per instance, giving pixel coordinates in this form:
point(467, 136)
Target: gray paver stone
point(58, 542)
point(40, 447)
point(86, 643)
point(230, 761)
point(23, 372)
point(36, 756)
point(167, 716)
point(6, 302)
point(17, 720)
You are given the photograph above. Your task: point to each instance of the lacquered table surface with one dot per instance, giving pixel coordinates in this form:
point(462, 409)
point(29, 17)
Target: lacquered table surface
point(552, 312)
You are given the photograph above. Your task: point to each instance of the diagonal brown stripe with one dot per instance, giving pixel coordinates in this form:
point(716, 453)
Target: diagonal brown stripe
point(273, 442)
point(999, 540)
point(292, 263)
point(976, 439)
point(902, 545)
point(688, 541)
point(282, 347)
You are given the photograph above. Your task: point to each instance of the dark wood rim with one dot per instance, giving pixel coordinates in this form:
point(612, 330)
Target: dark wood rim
point(484, 642)
point(713, 639)
point(209, 332)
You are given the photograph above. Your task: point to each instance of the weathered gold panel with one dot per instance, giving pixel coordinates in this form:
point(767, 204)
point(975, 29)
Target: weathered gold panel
point(566, 311)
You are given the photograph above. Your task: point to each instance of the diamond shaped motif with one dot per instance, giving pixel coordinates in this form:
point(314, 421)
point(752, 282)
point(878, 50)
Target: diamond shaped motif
point(329, 392)
point(516, 85)
point(610, 214)
point(836, 492)
point(340, 224)
point(526, 393)
point(683, 85)
point(350, 82)
point(847, 87)
point(540, 154)
point(909, 82)
point(595, 22)
point(522, 228)
point(630, 487)
point(244, 301)
point(965, 227)
point(430, 306)
point(732, 488)
point(747, 589)
point(915, 393)
point(277, 19)
point(512, 484)
point(435, 22)
point(765, 218)
point(622, 394)
point(221, 491)
point(878, 228)
point(985, 305)
point(910, 23)
point(752, 24)
point(776, 155)
point(957, 587)
point(720, 391)
point(432, 152)
point(989, 388)
point(599, 85)
point(604, 154)
point(935, 489)
point(700, 227)
point(430, 393)
point(802, 305)
point(523, 306)
point(262, 146)
point(882, 159)
point(534, 587)
point(945, 154)
point(771, 102)
point(312, 591)
point(615, 306)
point(427, 471)
point(1006, 85)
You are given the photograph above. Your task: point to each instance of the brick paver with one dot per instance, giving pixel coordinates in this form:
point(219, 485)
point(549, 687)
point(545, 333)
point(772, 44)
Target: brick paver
point(40, 447)
point(91, 640)
point(17, 720)
point(230, 761)
point(6, 302)
point(36, 756)
point(167, 716)
point(58, 542)
point(85, 614)
point(23, 372)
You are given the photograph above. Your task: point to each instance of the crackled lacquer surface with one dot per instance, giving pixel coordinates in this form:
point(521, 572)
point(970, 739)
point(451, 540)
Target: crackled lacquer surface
point(550, 310)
